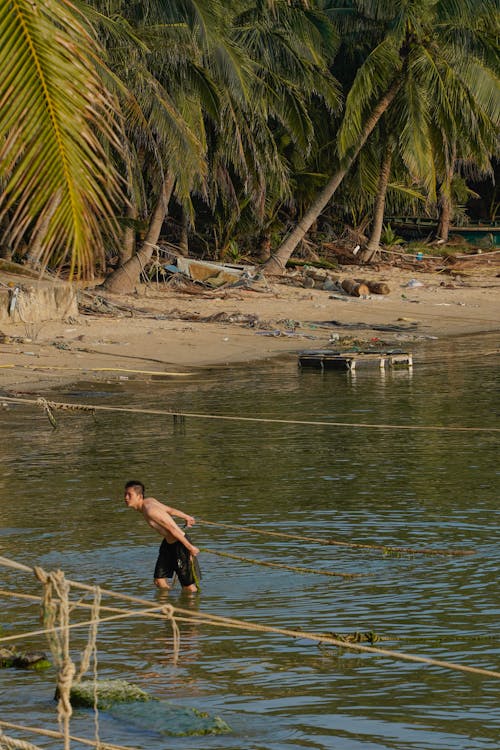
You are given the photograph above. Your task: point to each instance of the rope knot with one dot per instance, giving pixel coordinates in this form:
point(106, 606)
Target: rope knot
point(41, 574)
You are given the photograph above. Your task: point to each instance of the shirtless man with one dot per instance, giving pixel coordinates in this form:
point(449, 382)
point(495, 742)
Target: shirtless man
point(176, 551)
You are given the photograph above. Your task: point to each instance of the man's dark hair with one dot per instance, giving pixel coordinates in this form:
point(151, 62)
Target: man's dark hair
point(137, 486)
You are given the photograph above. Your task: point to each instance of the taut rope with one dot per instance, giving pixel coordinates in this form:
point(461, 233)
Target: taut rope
point(355, 545)
point(267, 420)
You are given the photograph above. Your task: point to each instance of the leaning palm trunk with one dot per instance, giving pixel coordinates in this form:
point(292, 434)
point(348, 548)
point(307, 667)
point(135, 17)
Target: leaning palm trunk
point(125, 278)
point(445, 202)
point(127, 250)
point(276, 264)
point(373, 244)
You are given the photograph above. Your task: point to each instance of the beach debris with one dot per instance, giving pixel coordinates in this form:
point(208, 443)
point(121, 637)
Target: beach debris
point(375, 287)
point(355, 288)
point(14, 295)
point(367, 326)
point(137, 708)
point(414, 283)
point(328, 359)
point(213, 274)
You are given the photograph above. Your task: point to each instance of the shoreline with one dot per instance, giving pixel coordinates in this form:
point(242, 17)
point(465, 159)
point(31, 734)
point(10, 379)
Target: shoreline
point(163, 333)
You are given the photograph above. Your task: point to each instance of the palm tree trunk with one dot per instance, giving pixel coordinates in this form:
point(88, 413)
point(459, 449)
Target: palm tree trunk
point(443, 227)
point(184, 238)
point(276, 264)
point(125, 278)
point(445, 203)
point(128, 246)
point(373, 244)
point(36, 246)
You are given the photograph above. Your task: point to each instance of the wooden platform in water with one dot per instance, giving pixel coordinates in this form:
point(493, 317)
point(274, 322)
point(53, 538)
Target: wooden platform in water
point(327, 359)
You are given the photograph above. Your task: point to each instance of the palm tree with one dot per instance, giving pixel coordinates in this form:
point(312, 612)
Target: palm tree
point(57, 125)
point(430, 62)
point(161, 84)
point(259, 145)
point(260, 69)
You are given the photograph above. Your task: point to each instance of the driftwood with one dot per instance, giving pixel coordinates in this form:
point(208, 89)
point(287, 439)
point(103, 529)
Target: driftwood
point(354, 288)
point(375, 287)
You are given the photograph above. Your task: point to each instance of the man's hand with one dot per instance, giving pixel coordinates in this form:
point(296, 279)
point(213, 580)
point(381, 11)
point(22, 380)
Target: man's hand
point(190, 521)
point(195, 551)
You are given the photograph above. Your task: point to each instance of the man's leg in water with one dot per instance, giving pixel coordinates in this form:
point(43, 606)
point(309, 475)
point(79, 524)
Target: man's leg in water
point(162, 583)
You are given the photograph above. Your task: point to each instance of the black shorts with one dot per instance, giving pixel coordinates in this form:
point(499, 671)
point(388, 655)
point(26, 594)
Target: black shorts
point(174, 558)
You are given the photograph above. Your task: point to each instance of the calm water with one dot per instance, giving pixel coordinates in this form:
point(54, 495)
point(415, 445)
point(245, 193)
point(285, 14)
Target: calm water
point(61, 506)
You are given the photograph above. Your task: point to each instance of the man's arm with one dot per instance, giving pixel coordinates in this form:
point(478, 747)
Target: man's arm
point(190, 521)
point(160, 519)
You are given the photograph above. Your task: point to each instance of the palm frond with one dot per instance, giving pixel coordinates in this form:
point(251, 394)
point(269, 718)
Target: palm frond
point(372, 79)
point(55, 117)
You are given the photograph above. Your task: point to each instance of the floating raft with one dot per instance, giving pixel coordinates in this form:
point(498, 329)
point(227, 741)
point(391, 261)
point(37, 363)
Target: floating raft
point(326, 359)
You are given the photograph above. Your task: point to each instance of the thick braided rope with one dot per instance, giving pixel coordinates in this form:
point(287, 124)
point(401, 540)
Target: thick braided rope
point(337, 542)
point(9, 743)
point(55, 608)
point(294, 568)
point(90, 654)
point(58, 735)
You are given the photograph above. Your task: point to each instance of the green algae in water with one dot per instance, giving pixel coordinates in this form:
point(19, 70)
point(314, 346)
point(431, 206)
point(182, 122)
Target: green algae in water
point(109, 692)
point(135, 707)
point(169, 719)
point(12, 658)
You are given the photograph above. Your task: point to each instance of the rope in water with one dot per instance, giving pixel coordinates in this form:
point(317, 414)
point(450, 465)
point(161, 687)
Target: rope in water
point(236, 418)
point(355, 545)
point(59, 735)
point(229, 622)
point(86, 623)
point(58, 368)
point(296, 569)
point(150, 613)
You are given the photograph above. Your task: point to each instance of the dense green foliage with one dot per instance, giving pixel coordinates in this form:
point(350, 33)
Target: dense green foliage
point(222, 120)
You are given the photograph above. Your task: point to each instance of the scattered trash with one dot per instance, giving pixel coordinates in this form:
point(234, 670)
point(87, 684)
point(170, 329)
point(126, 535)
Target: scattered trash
point(325, 359)
point(13, 300)
point(413, 283)
point(368, 326)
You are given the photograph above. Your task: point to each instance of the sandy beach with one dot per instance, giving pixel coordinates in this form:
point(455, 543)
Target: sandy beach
point(166, 332)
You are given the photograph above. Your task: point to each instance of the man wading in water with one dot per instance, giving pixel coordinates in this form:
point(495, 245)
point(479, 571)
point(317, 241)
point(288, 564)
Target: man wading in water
point(176, 551)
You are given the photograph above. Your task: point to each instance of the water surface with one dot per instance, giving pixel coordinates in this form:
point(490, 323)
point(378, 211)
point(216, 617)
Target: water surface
point(61, 507)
